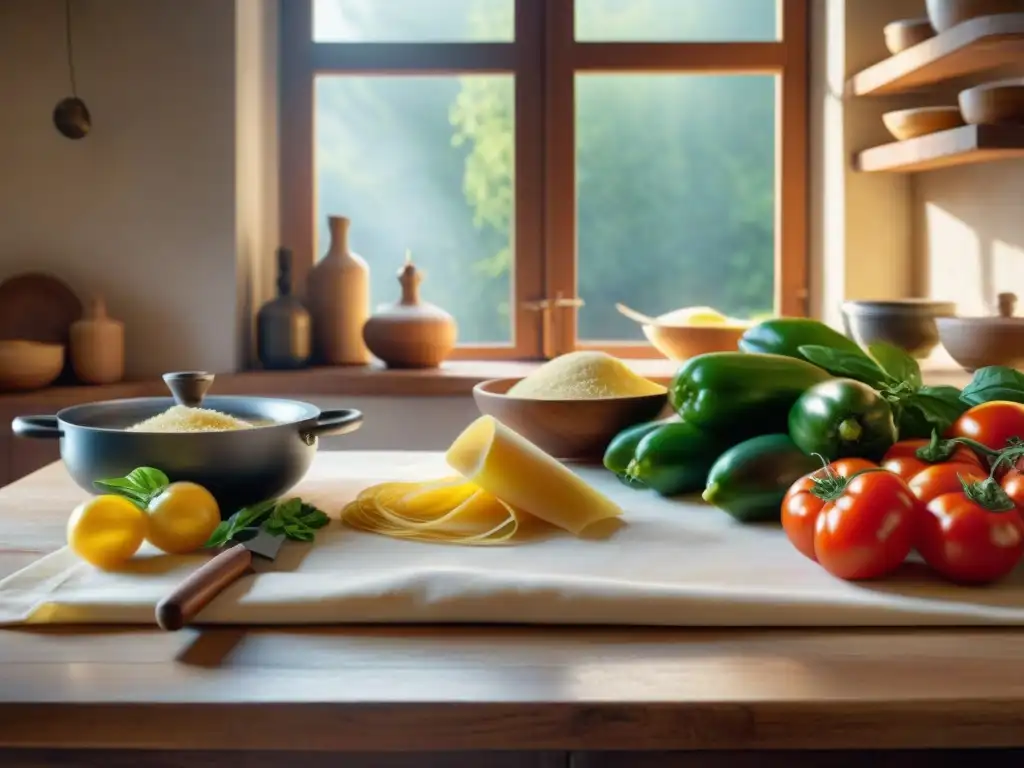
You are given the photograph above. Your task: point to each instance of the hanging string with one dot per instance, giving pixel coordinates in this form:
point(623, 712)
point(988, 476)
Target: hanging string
point(70, 49)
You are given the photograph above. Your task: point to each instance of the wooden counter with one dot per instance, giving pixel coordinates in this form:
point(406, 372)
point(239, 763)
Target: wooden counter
point(552, 696)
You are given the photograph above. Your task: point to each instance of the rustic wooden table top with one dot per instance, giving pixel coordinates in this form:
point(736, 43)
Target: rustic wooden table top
point(430, 688)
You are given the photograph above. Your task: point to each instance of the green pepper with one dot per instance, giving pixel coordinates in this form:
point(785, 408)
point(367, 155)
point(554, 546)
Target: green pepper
point(750, 480)
point(740, 395)
point(785, 336)
point(622, 448)
point(840, 419)
point(675, 458)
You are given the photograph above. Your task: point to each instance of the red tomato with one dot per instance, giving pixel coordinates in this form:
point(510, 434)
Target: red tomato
point(902, 458)
point(967, 543)
point(800, 507)
point(940, 479)
point(991, 424)
point(1013, 484)
point(869, 530)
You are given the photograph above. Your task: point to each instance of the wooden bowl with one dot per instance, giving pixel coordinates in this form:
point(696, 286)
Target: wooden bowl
point(570, 430)
point(998, 102)
point(946, 14)
point(26, 365)
point(906, 124)
point(681, 342)
point(906, 33)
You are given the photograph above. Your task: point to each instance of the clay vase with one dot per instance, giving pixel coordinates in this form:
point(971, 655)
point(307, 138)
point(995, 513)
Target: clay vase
point(284, 334)
point(411, 333)
point(97, 346)
point(338, 296)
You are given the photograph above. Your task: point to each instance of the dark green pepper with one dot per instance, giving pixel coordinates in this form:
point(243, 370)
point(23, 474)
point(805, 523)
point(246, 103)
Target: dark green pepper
point(750, 479)
point(675, 458)
point(785, 336)
point(740, 395)
point(840, 419)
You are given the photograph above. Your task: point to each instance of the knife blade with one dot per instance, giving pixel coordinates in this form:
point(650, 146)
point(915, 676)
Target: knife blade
point(197, 591)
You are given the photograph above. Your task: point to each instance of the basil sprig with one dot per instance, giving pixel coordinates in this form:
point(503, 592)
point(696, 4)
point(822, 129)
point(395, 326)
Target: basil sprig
point(294, 518)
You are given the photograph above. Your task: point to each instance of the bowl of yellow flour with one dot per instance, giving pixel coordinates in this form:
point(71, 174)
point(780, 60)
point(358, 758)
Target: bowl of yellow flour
point(571, 407)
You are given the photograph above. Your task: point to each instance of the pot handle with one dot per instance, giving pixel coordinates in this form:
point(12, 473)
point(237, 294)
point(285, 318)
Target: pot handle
point(36, 426)
point(336, 422)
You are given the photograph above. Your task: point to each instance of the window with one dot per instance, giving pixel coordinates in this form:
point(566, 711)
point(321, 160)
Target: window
point(543, 160)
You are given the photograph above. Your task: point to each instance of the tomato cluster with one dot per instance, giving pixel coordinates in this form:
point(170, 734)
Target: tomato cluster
point(957, 501)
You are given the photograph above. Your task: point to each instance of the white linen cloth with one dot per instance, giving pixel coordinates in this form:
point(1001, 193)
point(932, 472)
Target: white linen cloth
point(669, 563)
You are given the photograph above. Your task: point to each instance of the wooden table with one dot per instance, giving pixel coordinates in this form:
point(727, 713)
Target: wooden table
point(540, 697)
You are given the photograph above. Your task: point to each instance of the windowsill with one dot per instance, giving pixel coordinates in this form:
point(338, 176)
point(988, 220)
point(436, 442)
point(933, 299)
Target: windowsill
point(453, 379)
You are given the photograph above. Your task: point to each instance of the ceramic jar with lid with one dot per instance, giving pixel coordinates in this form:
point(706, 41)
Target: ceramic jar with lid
point(410, 333)
point(97, 346)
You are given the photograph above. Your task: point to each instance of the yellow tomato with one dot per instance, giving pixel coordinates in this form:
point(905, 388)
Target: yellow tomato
point(182, 518)
point(106, 531)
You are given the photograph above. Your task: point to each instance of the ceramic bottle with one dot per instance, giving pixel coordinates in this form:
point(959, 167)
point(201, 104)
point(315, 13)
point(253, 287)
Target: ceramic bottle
point(410, 333)
point(338, 293)
point(97, 346)
point(284, 334)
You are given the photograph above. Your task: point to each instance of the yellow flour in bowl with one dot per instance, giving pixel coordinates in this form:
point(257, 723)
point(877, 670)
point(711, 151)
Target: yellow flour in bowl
point(584, 376)
point(181, 418)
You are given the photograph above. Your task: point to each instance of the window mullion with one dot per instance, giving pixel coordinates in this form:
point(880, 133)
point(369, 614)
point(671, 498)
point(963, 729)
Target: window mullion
point(560, 173)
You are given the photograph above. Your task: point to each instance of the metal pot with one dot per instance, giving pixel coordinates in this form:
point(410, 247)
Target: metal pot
point(239, 467)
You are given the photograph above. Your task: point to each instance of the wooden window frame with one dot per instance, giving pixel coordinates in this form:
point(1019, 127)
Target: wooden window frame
point(544, 60)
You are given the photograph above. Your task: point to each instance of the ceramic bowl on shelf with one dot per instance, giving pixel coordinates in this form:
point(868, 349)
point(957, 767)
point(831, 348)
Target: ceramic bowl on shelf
point(28, 365)
point(946, 14)
point(906, 33)
point(906, 323)
point(570, 430)
point(906, 124)
point(992, 103)
point(976, 342)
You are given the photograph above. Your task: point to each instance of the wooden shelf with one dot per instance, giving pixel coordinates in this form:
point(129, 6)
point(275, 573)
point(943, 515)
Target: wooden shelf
point(974, 46)
point(959, 146)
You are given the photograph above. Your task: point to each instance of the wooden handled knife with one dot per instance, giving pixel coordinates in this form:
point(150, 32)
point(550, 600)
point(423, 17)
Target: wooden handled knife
point(195, 593)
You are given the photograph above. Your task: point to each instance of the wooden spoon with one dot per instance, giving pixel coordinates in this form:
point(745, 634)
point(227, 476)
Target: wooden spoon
point(640, 317)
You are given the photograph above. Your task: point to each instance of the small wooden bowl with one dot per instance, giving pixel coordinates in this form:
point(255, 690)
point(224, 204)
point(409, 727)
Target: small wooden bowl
point(27, 365)
point(570, 430)
point(946, 14)
point(906, 124)
point(906, 33)
point(681, 342)
point(998, 102)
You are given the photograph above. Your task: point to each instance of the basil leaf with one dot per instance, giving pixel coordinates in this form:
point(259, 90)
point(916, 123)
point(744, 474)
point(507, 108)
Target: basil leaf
point(220, 536)
point(247, 517)
point(896, 363)
point(147, 479)
point(298, 532)
point(939, 406)
point(140, 485)
point(313, 517)
point(849, 364)
point(994, 382)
